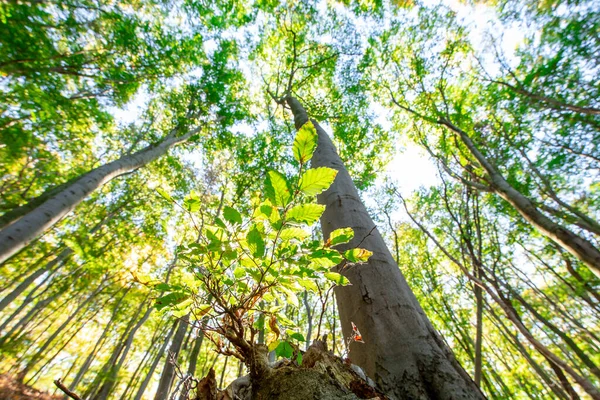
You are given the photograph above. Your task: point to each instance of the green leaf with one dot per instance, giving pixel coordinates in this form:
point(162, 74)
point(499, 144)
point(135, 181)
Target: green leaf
point(256, 242)
point(338, 279)
point(326, 258)
point(192, 202)
point(232, 215)
point(307, 213)
point(299, 358)
point(164, 194)
point(293, 233)
point(274, 344)
point(316, 180)
point(284, 349)
point(278, 189)
point(298, 336)
point(290, 296)
point(239, 272)
point(305, 142)
point(308, 284)
point(340, 236)
point(358, 255)
point(171, 299)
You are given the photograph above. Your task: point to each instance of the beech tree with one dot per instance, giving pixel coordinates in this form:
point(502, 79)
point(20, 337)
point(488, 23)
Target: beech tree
point(164, 166)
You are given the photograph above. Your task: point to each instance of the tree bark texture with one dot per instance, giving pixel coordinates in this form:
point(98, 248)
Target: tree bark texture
point(23, 231)
point(402, 352)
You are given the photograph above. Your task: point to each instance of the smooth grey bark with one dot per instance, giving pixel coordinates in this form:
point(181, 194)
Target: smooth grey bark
point(57, 262)
point(168, 373)
point(194, 354)
point(20, 233)
point(402, 352)
point(309, 316)
point(578, 246)
point(114, 364)
point(41, 351)
point(88, 361)
point(146, 381)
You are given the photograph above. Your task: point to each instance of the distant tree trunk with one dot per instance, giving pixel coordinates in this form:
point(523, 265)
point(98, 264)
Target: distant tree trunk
point(57, 262)
point(88, 361)
point(166, 378)
point(402, 352)
point(161, 352)
point(580, 247)
point(308, 318)
point(41, 351)
point(20, 233)
point(120, 354)
point(194, 354)
point(148, 356)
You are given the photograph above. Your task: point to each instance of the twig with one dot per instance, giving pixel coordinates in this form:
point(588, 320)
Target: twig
point(66, 390)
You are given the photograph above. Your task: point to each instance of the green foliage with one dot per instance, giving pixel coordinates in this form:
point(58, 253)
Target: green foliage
point(238, 268)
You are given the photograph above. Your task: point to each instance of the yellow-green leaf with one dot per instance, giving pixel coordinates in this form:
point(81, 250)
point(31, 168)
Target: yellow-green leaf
point(338, 279)
point(358, 255)
point(293, 233)
point(278, 189)
point(316, 180)
point(340, 236)
point(232, 215)
point(307, 213)
point(305, 142)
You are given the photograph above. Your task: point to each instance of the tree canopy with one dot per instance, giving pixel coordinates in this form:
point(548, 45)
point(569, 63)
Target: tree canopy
point(188, 186)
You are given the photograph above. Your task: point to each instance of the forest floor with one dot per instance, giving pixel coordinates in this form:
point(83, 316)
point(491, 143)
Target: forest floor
point(10, 389)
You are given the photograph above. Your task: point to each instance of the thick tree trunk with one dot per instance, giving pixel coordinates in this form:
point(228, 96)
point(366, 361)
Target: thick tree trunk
point(402, 352)
point(166, 378)
point(581, 248)
point(20, 233)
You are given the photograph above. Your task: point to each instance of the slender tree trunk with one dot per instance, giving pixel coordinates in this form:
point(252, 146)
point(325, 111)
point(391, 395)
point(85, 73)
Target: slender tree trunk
point(57, 262)
point(40, 353)
point(194, 354)
point(309, 316)
point(146, 381)
point(20, 233)
point(402, 352)
point(580, 247)
point(119, 356)
point(88, 361)
point(166, 378)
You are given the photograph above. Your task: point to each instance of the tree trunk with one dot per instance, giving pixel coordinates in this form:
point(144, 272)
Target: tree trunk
point(88, 361)
point(57, 262)
point(166, 378)
point(402, 352)
point(581, 248)
point(20, 233)
point(146, 381)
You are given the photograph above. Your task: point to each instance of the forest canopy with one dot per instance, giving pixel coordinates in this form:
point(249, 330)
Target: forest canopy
point(300, 199)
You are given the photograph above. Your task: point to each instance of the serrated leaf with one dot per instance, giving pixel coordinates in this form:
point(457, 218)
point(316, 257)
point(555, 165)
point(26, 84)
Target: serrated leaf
point(307, 213)
point(340, 236)
point(182, 308)
point(284, 349)
point(293, 233)
point(232, 215)
point(278, 189)
point(305, 142)
point(358, 255)
point(316, 180)
point(326, 257)
point(299, 358)
point(338, 279)
point(256, 242)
